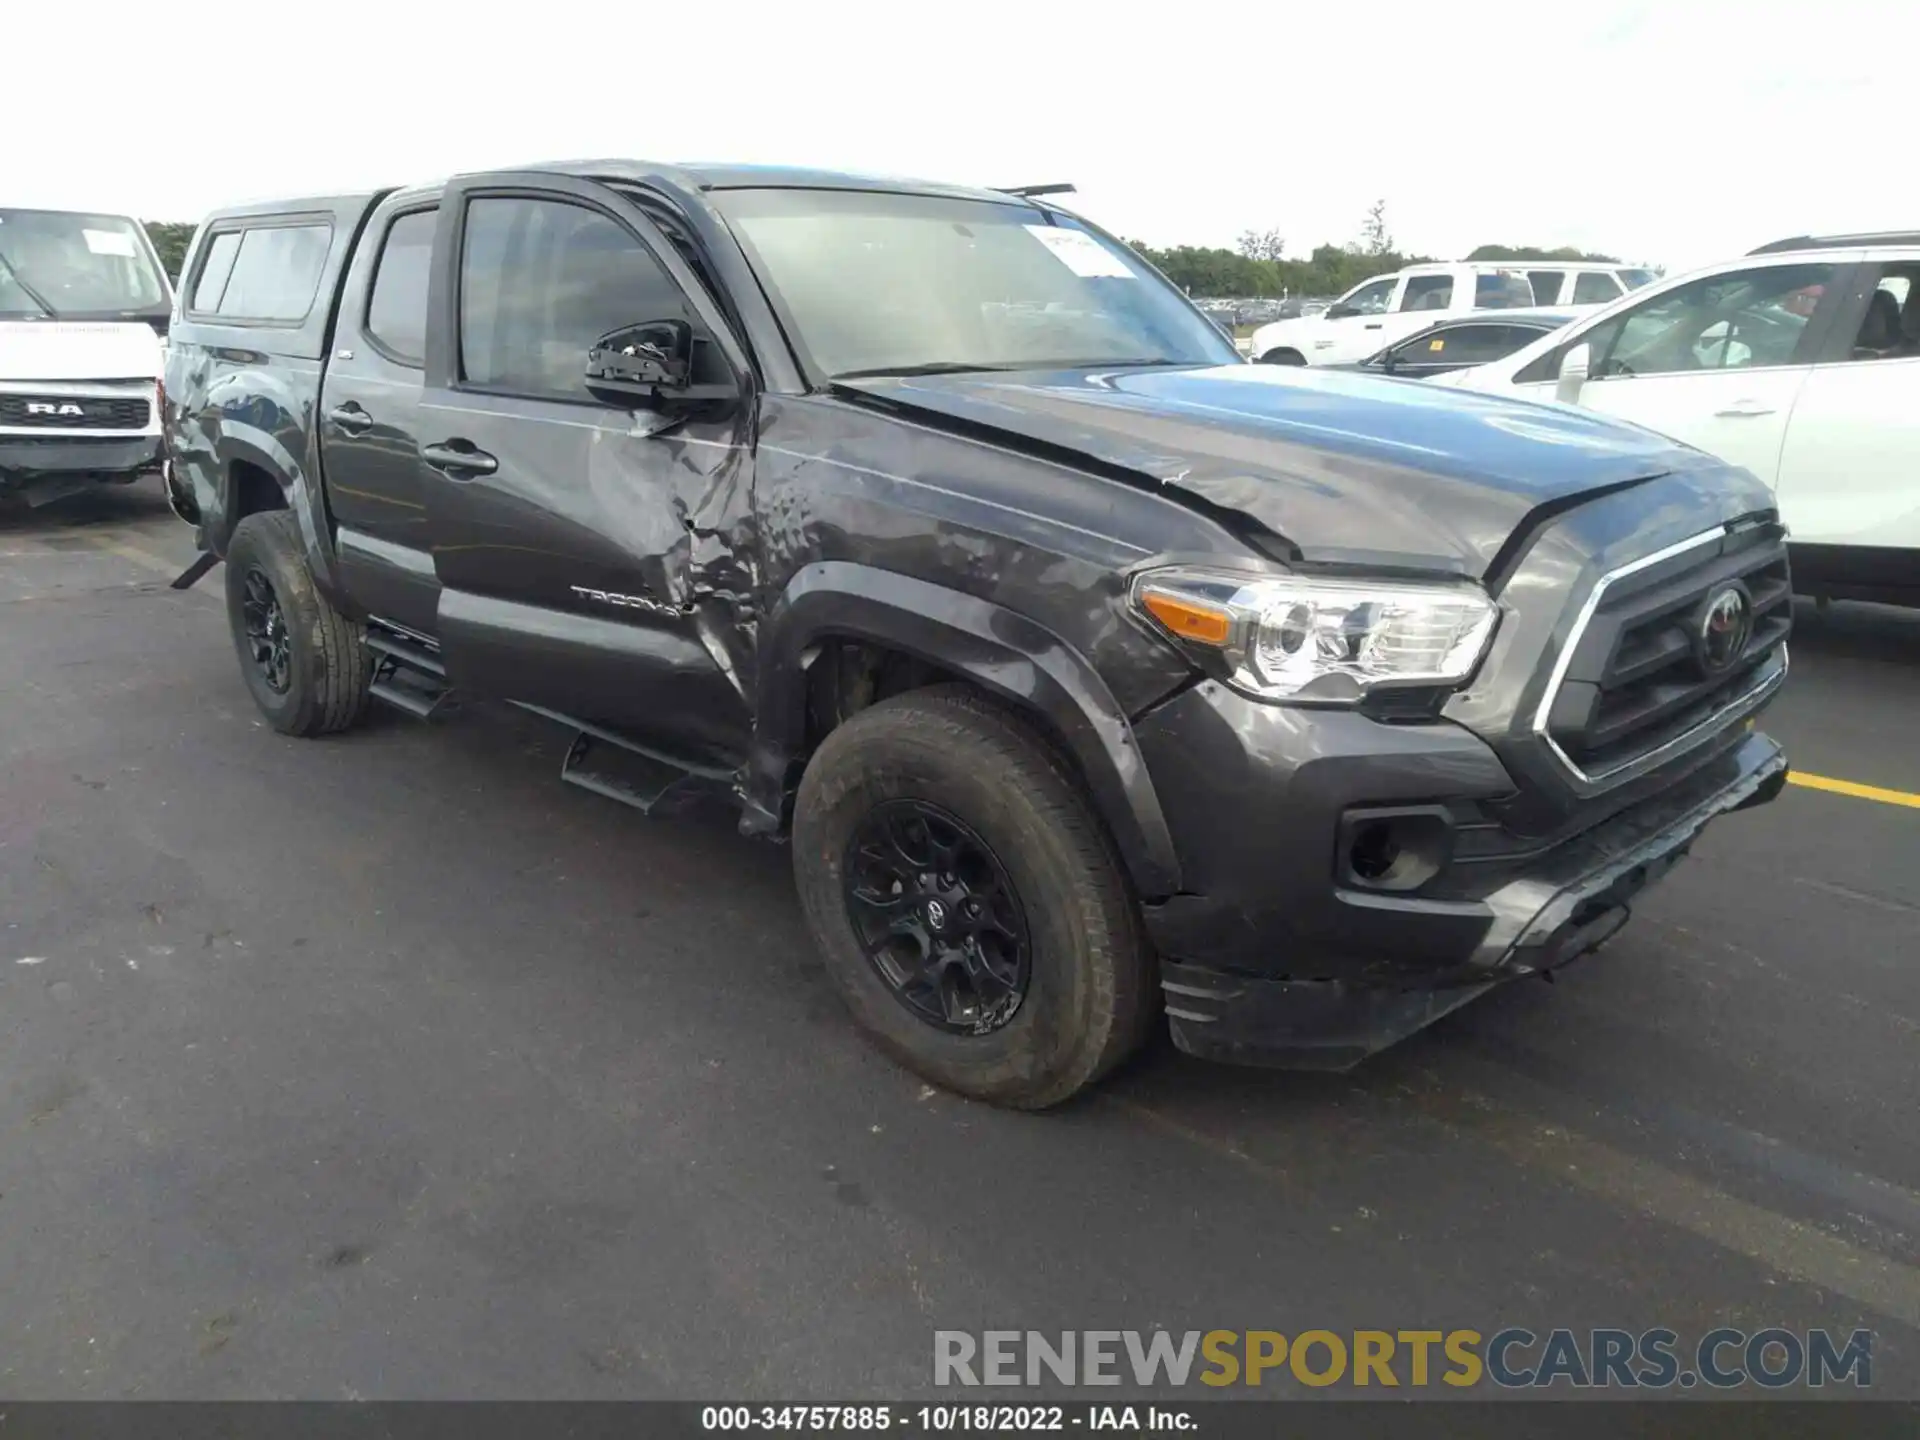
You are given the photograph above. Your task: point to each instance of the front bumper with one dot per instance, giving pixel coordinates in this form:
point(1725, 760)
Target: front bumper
point(40, 468)
point(1276, 960)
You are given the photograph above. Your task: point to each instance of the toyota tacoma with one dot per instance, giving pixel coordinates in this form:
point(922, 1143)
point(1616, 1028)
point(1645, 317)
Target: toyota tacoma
point(1095, 675)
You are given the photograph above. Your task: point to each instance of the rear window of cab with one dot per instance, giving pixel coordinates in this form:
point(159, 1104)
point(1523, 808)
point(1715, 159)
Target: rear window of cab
point(261, 273)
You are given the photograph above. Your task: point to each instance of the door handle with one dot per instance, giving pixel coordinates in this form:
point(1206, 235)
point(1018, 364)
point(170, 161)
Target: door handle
point(351, 418)
point(459, 460)
point(1741, 408)
point(1371, 325)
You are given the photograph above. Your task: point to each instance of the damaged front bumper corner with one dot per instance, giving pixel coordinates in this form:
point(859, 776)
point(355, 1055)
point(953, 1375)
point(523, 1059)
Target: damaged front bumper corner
point(1533, 924)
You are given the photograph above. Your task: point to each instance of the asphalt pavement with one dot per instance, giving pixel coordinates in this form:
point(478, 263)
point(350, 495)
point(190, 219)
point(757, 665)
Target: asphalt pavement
point(389, 1066)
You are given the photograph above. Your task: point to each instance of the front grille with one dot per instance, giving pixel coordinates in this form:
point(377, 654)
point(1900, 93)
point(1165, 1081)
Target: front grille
point(75, 412)
point(1650, 667)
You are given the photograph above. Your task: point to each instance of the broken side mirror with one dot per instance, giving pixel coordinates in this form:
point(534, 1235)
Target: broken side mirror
point(1574, 366)
point(654, 362)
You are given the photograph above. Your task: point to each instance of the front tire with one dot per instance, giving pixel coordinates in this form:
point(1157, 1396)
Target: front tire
point(1284, 355)
point(968, 902)
point(306, 665)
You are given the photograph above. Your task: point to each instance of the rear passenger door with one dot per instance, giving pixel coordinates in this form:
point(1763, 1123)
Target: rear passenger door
point(1546, 285)
point(591, 552)
point(370, 417)
point(1427, 294)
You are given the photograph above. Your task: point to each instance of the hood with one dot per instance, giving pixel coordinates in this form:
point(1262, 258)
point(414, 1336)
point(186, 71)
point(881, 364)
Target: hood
point(78, 350)
point(1351, 469)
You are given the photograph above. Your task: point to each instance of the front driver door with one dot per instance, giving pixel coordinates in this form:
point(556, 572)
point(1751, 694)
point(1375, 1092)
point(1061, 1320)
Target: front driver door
point(590, 550)
point(1717, 362)
point(1361, 327)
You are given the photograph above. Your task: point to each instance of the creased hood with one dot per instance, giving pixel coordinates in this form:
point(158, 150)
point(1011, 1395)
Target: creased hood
point(1351, 469)
point(78, 350)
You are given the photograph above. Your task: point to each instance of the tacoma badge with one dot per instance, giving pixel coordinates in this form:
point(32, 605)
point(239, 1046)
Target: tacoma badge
point(624, 602)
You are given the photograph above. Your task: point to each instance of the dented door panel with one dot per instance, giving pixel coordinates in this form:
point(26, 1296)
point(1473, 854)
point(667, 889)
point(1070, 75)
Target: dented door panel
point(597, 569)
point(594, 555)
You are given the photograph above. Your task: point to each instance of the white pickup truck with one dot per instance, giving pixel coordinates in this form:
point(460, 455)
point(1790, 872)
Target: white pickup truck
point(1387, 308)
point(84, 308)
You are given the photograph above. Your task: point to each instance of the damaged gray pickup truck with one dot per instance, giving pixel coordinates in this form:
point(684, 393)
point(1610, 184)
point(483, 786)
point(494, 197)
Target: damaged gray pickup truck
point(1094, 674)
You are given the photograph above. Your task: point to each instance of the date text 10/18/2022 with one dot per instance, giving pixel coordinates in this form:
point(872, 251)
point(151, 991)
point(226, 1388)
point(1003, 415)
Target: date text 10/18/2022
point(946, 1419)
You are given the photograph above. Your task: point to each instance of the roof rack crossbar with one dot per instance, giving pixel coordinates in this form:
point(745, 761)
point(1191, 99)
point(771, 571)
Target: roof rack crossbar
point(1838, 242)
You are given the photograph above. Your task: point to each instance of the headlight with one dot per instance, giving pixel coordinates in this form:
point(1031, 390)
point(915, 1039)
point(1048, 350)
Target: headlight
point(1294, 637)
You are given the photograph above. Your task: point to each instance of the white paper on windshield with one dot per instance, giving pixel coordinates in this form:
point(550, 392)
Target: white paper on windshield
point(108, 242)
point(1080, 252)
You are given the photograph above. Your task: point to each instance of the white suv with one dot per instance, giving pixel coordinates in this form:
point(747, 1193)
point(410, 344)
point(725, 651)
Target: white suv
point(1800, 361)
point(1388, 308)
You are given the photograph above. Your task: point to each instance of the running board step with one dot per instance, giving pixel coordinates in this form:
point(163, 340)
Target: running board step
point(646, 783)
point(405, 652)
point(408, 692)
point(614, 766)
point(406, 675)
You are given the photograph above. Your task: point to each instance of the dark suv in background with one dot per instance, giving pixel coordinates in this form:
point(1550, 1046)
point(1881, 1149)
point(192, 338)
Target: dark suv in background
point(1092, 672)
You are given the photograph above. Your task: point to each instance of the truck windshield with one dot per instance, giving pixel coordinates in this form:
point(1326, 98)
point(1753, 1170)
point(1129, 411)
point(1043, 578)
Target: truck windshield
point(879, 283)
point(60, 264)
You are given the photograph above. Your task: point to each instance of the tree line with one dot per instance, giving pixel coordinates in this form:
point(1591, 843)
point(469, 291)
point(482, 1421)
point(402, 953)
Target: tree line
point(1259, 265)
point(1209, 271)
point(170, 240)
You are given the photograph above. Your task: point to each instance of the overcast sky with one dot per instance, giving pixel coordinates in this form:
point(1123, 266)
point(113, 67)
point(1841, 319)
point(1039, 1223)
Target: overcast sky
point(1677, 133)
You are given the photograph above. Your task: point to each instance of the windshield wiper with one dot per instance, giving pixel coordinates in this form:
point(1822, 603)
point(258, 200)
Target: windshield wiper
point(931, 367)
point(20, 284)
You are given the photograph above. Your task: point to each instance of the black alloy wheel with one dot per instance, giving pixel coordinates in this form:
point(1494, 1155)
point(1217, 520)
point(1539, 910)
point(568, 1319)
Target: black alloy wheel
point(937, 917)
point(306, 665)
point(266, 628)
point(968, 904)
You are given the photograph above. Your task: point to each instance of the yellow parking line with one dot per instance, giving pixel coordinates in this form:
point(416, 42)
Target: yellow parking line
point(144, 558)
point(1857, 791)
point(1630, 1185)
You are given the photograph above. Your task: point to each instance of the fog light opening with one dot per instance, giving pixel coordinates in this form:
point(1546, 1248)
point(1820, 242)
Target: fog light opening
point(1398, 851)
point(1374, 852)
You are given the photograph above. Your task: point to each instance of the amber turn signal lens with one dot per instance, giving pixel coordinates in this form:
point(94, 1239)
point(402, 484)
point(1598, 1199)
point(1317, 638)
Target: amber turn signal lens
point(1187, 618)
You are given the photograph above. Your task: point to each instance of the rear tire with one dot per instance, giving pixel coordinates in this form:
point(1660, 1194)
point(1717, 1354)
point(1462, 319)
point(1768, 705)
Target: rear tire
point(306, 665)
point(1089, 992)
point(1283, 356)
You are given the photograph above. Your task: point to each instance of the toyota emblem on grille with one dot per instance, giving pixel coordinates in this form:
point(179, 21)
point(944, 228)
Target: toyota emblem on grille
point(1725, 625)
